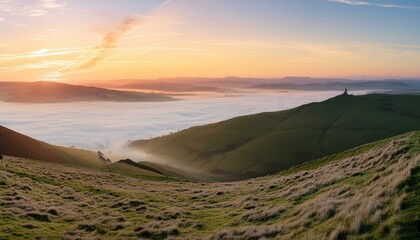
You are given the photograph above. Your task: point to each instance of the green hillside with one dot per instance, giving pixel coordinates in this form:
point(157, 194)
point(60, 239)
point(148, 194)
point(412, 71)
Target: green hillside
point(18, 145)
point(265, 143)
point(129, 167)
point(370, 192)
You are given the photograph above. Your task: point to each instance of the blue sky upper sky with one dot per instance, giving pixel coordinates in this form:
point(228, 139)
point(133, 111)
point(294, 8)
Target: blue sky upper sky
point(98, 39)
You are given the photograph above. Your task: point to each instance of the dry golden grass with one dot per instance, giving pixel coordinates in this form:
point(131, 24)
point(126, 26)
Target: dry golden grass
point(358, 195)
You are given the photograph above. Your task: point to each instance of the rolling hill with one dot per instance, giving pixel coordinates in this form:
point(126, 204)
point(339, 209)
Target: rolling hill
point(370, 192)
point(52, 92)
point(266, 143)
point(18, 145)
point(195, 85)
point(338, 86)
point(169, 87)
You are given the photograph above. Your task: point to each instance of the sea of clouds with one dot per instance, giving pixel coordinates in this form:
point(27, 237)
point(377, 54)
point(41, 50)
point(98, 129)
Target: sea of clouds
point(107, 126)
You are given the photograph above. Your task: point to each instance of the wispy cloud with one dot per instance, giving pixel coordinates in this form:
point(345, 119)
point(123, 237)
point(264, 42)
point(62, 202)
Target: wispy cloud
point(111, 38)
point(90, 59)
point(35, 8)
point(108, 42)
point(40, 53)
point(41, 65)
point(263, 47)
point(364, 3)
point(51, 4)
point(163, 4)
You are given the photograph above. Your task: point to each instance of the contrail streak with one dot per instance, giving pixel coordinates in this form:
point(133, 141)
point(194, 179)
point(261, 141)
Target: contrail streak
point(101, 51)
point(168, 1)
point(108, 42)
point(364, 3)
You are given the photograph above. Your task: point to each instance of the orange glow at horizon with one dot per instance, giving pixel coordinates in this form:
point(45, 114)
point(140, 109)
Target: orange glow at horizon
point(159, 43)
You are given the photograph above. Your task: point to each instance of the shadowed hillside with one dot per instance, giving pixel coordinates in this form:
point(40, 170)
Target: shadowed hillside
point(51, 92)
point(129, 166)
point(19, 145)
point(265, 143)
point(370, 192)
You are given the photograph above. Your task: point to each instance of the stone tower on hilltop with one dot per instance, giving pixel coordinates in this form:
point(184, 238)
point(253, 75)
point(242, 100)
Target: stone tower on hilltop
point(345, 93)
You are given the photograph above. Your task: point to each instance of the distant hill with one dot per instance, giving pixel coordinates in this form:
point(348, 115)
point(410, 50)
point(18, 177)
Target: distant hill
point(338, 86)
point(181, 84)
point(18, 145)
point(244, 82)
point(169, 87)
point(229, 84)
point(265, 143)
point(51, 92)
point(369, 192)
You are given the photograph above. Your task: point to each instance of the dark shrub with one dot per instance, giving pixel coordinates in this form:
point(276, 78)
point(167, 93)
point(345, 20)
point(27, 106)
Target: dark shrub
point(39, 217)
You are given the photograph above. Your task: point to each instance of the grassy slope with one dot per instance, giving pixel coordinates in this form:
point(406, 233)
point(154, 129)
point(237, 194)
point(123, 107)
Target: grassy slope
point(128, 166)
point(172, 172)
point(19, 145)
point(269, 142)
point(77, 156)
point(15, 144)
point(366, 193)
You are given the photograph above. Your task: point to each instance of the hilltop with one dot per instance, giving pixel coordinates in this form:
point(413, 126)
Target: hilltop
point(53, 92)
point(370, 192)
point(265, 143)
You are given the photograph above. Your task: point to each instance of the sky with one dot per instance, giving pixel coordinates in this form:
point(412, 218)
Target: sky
point(58, 40)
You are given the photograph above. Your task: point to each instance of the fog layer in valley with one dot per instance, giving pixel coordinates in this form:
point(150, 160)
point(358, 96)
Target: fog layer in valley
point(106, 126)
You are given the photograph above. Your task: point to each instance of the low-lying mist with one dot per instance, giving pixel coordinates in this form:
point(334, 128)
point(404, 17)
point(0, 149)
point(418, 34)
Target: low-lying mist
point(108, 126)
